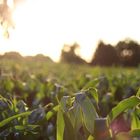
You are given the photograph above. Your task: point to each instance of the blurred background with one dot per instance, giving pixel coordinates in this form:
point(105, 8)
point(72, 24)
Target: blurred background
point(104, 28)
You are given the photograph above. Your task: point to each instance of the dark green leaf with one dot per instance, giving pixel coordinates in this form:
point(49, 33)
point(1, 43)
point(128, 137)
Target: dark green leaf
point(88, 110)
point(36, 115)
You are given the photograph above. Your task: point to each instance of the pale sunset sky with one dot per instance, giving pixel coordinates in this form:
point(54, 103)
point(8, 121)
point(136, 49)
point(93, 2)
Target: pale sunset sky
point(44, 26)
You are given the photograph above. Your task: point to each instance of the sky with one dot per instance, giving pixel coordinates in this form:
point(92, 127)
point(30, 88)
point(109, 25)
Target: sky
point(44, 26)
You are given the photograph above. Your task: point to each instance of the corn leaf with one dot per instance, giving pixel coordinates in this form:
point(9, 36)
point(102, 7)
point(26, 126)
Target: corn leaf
point(122, 106)
point(88, 111)
point(50, 113)
point(6, 121)
point(134, 133)
point(60, 125)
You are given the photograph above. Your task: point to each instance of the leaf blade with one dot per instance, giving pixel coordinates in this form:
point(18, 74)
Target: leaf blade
point(122, 106)
point(60, 125)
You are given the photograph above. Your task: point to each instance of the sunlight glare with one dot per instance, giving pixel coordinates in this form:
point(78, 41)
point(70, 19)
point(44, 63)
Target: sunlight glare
point(10, 3)
point(44, 26)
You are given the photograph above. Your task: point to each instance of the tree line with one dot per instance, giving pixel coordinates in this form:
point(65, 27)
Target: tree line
point(124, 53)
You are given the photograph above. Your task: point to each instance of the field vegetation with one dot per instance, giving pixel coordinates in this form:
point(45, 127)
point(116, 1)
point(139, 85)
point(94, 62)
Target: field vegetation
point(73, 99)
point(58, 101)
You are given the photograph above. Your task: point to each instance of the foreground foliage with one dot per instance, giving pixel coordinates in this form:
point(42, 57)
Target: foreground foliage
point(68, 102)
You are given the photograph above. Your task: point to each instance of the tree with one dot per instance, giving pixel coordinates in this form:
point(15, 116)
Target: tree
point(69, 55)
point(41, 58)
point(105, 55)
point(128, 52)
point(12, 56)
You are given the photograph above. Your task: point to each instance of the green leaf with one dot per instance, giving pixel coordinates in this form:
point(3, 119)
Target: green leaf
point(66, 103)
point(6, 121)
point(90, 137)
point(138, 93)
point(135, 123)
point(91, 83)
point(9, 85)
point(75, 115)
point(122, 106)
point(22, 127)
point(134, 133)
point(88, 111)
point(94, 94)
point(69, 132)
point(50, 114)
point(60, 125)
